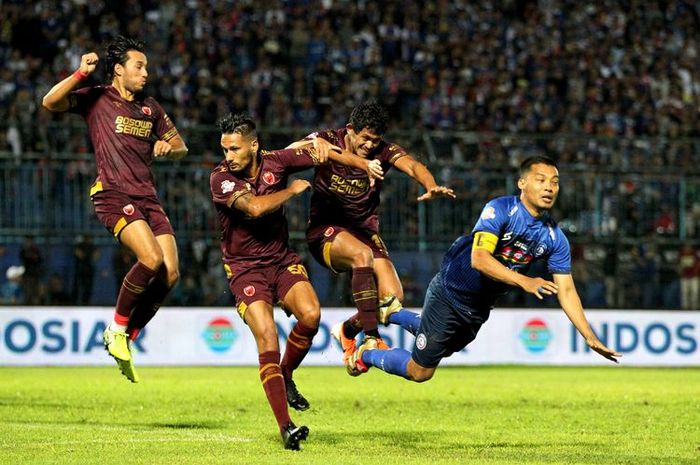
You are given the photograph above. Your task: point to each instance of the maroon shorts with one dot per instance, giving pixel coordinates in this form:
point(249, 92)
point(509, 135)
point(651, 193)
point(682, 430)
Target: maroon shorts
point(319, 238)
point(115, 210)
point(269, 283)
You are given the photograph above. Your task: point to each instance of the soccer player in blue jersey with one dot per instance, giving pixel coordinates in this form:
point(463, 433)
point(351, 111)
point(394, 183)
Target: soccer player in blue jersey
point(511, 233)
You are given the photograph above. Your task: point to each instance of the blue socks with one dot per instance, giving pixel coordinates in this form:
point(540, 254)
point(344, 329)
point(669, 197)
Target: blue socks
point(409, 321)
point(394, 361)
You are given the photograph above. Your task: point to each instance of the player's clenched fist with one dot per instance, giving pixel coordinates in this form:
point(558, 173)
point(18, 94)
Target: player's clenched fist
point(88, 62)
point(162, 149)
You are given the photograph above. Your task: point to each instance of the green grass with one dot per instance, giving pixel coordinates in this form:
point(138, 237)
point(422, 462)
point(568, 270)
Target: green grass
point(473, 415)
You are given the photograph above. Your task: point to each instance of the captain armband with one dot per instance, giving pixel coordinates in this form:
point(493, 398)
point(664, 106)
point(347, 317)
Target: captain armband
point(485, 241)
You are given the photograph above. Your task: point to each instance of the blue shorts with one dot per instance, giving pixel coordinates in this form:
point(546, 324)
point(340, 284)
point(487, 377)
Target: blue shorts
point(445, 327)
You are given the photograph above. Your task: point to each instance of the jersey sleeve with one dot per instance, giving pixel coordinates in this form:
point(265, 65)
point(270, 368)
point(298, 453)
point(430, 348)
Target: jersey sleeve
point(80, 101)
point(492, 219)
point(559, 262)
point(165, 128)
point(390, 153)
point(294, 160)
point(224, 186)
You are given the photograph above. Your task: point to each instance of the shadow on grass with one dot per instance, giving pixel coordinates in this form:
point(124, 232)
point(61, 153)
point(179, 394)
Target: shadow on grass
point(420, 444)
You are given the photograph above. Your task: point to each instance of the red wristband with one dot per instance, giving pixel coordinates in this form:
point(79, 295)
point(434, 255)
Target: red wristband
point(79, 75)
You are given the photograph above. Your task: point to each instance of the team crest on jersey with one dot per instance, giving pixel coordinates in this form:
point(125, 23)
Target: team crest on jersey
point(489, 213)
point(329, 231)
point(249, 291)
point(540, 250)
point(128, 209)
point(146, 110)
point(421, 341)
point(269, 178)
point(227, 186)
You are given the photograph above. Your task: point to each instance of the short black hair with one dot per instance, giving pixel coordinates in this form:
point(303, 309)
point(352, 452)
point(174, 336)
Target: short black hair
point(240, 123)
point(535, 160)
point(370, 115)
point(117, 53)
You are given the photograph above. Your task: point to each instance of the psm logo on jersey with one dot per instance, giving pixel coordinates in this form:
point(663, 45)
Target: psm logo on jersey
point(146, 110)
point(329, 231)
point(269, 178)
point(219, 334)
point(227, 186)
point(249, 291)
point(128, 209)
point(535, 336)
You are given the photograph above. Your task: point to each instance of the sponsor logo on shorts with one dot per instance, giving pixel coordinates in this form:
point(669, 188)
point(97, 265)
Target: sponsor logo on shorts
point(329, 231)
point(219, 334)
point(128, 209)
point(269, 178)
point(249, 291)
point(146, 110)
point(421, 341)
point(227, 186)
point(535, 335)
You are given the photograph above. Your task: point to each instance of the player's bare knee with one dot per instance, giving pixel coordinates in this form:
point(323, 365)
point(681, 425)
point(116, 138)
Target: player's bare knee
point(363, 258)
point(418, 373)
point(153, 259)
point(310, 316)
point(173, 277)
point(267, 340)
point(422, 376)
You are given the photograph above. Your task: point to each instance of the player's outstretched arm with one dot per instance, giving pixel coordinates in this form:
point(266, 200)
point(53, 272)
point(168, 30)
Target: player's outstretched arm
point(420, 173)
point(56, 100)
point(571, 304)
point(256, 206)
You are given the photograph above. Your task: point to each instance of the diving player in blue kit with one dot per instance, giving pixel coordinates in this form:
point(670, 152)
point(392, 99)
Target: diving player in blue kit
point(511, 233)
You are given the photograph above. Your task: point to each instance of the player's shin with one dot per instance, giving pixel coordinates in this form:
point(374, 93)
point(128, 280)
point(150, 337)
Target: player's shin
point(364, 292)
point(409, 321)
point(273, 384)
point(148, 305)
point(298, 345)
point(394, 361)
point(133, 286)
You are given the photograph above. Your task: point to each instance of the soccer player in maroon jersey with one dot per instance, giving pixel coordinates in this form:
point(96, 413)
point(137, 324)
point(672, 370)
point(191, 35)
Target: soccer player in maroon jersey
point(249, 189)
point(343, 232)
point(128, 130)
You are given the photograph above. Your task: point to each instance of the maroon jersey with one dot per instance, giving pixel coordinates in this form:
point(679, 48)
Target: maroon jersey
point(256, 241)
point(123, 134)
point(342, 195)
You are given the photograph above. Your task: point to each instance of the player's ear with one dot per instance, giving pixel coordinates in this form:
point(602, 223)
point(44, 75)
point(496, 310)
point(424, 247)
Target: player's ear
point(254, 145)
point(521, 183)
point(349, 127)
point(118, 69)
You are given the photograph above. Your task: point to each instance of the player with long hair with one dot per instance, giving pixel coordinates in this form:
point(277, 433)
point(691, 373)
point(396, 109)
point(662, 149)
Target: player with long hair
point(128, 130)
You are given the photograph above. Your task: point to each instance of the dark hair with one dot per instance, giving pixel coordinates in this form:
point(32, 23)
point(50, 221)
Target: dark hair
point(370, 115)
point(117, 53)
point(240, 123)
point(538, 159)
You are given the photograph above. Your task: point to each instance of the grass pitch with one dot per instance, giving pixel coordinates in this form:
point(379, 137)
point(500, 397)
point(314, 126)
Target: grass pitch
point(469, 415)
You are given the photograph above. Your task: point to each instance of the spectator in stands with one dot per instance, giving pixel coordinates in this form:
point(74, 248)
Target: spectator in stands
point(12, 292)
point(690, 278)
point(84, 255)
point(32, 261)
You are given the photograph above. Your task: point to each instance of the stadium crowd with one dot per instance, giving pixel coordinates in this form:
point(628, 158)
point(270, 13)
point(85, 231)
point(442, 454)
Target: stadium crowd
point(608, 84)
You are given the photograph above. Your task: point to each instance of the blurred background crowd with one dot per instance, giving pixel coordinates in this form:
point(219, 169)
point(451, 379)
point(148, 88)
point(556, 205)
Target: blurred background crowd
point(610, 89)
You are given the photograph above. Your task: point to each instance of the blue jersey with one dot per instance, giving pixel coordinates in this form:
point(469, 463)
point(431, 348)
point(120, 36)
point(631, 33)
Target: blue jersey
point(522, 239)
